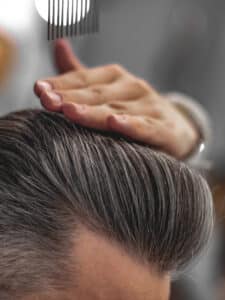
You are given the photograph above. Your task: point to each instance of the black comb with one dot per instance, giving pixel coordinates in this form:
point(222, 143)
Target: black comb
point(68, 18)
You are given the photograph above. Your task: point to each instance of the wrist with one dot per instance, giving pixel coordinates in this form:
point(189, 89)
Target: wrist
point(198, 119)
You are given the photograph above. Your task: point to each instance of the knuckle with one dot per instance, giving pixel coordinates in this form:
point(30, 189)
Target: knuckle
point(54, 83)
point(96, 89)
point(82, 79)
point(63, 95)
point(116, 69)
point(117, 106)
point(142, 86)
point(98, 93)
point(171, 124)
point(156, 112)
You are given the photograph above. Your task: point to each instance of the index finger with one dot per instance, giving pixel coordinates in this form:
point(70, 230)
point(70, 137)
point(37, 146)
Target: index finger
point(65, 59)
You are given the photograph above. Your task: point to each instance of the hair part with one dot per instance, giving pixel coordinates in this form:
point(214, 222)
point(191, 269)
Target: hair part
point(55, 175)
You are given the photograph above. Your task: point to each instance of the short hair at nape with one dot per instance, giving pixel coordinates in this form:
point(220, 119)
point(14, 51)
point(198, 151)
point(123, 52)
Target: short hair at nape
point(55, 174)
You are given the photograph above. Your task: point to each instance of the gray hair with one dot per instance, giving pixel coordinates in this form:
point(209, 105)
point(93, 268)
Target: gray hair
point(55, 175)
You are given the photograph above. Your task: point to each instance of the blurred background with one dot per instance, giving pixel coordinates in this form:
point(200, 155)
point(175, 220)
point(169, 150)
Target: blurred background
point(176, 45)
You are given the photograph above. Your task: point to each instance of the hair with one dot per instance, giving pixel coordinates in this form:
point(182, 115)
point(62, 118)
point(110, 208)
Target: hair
point(55, 175)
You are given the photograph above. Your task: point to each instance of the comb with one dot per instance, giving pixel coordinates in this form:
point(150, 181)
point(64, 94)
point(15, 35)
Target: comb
point(68, 18)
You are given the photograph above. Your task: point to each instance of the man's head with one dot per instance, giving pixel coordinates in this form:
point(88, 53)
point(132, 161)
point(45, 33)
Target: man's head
point(87, 216)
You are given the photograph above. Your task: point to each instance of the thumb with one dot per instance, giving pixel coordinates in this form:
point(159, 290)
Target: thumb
point(65, 59)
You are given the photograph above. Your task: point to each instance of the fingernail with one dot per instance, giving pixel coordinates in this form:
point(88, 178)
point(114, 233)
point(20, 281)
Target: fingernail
point(56, 98)
point(43, 86)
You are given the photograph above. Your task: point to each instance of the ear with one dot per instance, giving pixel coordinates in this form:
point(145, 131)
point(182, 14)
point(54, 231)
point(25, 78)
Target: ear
point(65, 59)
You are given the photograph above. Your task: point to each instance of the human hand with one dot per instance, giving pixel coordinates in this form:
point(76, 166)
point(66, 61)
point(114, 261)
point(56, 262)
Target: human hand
point(110, 98)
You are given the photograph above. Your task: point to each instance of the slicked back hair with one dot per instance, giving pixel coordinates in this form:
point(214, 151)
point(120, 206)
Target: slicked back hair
point(55, 175)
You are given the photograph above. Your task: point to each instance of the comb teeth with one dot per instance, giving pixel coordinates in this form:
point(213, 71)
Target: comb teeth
point(72, 18)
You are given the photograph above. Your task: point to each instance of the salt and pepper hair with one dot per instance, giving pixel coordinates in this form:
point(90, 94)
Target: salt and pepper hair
point(55, 175)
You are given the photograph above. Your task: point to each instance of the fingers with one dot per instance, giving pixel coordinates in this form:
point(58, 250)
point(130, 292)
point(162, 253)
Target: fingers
point(69, 80)
point(65, 59)
point(117, 95)
point(146, 130)
point(137, 128)
point(53, 100)
point(89, 116)
point(121, 96)
point(102, 117)
point(107, 117)
point(80, 79)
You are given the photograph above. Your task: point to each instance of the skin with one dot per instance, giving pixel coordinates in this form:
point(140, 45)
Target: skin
point(110, 98)
point(221, 290)
point(105, 271)
point(108, 272)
